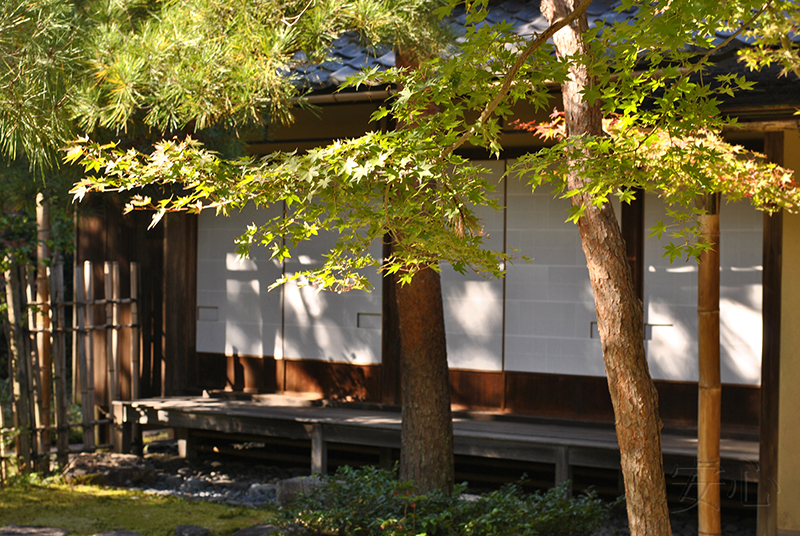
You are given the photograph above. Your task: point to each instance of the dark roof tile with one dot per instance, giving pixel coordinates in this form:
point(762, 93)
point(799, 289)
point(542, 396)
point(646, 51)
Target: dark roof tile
point(347, 54)
point(340, 76)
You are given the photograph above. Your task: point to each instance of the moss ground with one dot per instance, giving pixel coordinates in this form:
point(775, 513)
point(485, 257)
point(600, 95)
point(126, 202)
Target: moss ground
point(87, 510)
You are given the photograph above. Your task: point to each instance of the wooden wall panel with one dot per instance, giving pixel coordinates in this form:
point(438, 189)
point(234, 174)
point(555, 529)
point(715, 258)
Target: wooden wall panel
point(556, 395)
point(543, 395)
point(471, 389)
point(250, 374)
point(180, 303)
point(334, 380)
point(212, 371)
point(255, 374)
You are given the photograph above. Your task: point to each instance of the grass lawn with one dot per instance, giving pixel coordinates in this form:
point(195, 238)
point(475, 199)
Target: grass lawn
point(86, 510)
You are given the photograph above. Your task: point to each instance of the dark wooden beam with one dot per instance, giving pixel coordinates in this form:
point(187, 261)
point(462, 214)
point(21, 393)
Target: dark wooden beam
point(390, 337)
point(632, 215)
point(180, 302)
point(770, 359)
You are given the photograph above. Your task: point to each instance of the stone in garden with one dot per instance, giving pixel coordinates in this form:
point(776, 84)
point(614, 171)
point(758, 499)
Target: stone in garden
point(16, 530)
point(108, 469)
point(119, 533)
point(286, 490)
point(191, 530)
point(257, 530)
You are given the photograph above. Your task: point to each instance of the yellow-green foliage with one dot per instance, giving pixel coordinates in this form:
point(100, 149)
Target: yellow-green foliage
point(87, 510)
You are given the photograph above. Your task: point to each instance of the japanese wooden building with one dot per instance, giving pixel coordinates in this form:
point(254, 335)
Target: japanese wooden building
point(526, 344)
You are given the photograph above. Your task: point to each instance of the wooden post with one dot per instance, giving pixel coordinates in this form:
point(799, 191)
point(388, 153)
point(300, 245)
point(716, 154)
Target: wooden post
point(111, 271)
point(43, 313)
point(319, 451)
point(41, 459)
point(60, 362)
point(709, 399)
point(772, 260)
point(564, 469)
point(19, 367)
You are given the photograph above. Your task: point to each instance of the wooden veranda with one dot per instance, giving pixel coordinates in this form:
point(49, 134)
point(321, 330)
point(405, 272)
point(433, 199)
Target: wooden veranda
point(562, 443)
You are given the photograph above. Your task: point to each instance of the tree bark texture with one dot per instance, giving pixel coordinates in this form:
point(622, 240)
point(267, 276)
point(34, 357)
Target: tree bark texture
point(426, 449)
point(710, 388)
point(619, 311)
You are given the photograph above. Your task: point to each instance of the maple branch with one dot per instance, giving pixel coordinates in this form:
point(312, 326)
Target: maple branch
point(725, 43)
point(505, 87)
point(698, 64)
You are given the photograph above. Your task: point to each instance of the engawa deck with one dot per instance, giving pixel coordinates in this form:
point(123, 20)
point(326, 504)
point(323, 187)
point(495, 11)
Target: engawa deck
point(476, 434)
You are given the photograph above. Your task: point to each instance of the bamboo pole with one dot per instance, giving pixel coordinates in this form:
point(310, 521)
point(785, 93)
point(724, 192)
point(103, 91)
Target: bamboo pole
point(79, 314)
point(115, 327)
point(709, 396)
point(3, 431)
point(3, 465)
point(43, 313)
point(60, 362)
point(135, 331)
point(19, 368)
point(41, 457)
point(89, 398)
point(111, 272)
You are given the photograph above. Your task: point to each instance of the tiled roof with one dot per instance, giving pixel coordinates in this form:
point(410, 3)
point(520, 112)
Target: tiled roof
point(347, 55)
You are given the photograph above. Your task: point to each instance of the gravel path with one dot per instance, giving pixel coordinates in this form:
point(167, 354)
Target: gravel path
point(233, 483)
point(253, 486)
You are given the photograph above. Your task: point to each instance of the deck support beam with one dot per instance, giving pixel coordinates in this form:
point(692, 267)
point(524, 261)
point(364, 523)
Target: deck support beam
point(563, 469)
point(185, 447)
point(319, 450)
point(122, 429)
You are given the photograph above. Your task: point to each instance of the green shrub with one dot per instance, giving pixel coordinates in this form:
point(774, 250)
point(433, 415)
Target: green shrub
point(372, 502)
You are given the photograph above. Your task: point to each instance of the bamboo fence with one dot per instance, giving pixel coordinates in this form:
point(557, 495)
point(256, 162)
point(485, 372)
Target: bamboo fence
point(30, 321)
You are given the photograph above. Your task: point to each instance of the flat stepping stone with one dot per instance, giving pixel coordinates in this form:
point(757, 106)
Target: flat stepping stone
point(16, 530)
point(119, 533)
point(191, 530)
point(257, 530)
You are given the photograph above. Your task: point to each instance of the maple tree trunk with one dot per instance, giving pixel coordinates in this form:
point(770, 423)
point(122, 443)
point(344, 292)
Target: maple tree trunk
point(426, 446)
point(426, 437)
point(619, 310)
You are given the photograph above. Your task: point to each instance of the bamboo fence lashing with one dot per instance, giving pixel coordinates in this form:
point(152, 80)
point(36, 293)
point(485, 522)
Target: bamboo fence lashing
point(26, 329)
